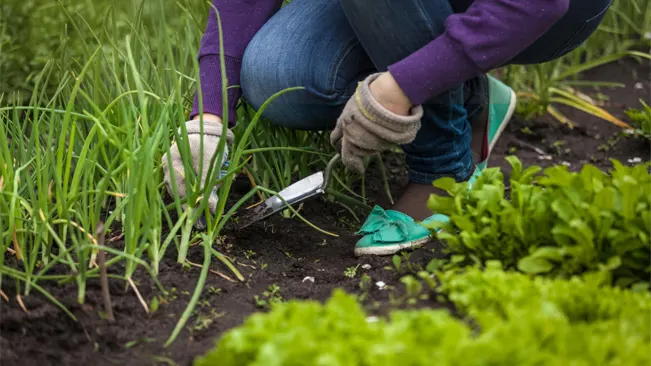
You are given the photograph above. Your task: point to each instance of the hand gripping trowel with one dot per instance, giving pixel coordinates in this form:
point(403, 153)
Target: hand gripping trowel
point(300, 191)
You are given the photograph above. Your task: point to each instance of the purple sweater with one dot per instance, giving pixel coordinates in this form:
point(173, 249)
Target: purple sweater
point(487, 35)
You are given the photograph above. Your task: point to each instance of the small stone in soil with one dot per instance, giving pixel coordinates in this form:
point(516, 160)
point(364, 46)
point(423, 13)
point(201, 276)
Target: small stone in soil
point(366, 266)
point(308, 278)
point(372, 319)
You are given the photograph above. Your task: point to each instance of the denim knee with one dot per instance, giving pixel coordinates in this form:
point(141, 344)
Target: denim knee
point(297, 48)
point(267, 71)
point(259, 81)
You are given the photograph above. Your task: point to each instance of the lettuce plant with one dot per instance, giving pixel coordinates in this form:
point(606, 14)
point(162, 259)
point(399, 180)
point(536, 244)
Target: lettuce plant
point(641, 120)
point(558, 223)
point(515, 320)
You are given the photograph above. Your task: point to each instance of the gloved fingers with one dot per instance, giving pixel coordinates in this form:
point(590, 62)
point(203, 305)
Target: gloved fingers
point(178, 171)
point(352, 154)
point(404, 136)
point(210, 145)
point(213, 200)
point(336, 134)
point(218, 171)
point(364, 140)
point(351, 157)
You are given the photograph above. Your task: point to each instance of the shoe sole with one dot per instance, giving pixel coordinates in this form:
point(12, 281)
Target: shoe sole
point(391, 249)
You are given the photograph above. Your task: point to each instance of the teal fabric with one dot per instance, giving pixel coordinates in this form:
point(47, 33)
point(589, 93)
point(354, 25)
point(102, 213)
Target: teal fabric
point(500, 99)
point(389, 227)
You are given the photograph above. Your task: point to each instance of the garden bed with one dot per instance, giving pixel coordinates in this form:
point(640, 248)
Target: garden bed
point(288, 255)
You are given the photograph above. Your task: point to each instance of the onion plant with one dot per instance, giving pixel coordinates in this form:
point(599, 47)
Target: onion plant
point(85, 151)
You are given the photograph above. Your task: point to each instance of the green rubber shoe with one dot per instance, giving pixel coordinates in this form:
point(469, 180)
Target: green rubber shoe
point(386, 232)
point(502, 101)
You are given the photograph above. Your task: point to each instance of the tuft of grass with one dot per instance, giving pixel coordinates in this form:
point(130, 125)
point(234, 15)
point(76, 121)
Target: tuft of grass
point(84, 143)
point(91, 151)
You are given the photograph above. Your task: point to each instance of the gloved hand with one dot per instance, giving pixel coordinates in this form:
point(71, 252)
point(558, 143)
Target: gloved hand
point(212, 132)
point(366, 127)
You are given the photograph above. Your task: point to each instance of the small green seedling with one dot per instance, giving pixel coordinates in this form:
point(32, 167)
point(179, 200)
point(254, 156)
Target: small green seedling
point(413, 289)
point(269, 297)
point(132, 344)
point(249, 254)
point(397, 262)
point(204, 321)
point(154, 304)
point(351, 272)
point(365, 285)
point(526, 131)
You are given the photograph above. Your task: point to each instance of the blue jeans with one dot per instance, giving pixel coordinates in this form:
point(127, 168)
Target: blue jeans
point(327, 46)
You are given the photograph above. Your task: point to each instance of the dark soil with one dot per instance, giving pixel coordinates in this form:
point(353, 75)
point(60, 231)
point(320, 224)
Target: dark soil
point(286, 253)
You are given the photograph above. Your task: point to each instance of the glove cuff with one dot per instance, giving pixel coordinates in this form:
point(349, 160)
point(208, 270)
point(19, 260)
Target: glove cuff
point(378, 114)
point(210, 129)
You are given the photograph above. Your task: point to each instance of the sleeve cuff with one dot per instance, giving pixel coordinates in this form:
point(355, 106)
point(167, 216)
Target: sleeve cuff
point(438, 66)
point(211, 87)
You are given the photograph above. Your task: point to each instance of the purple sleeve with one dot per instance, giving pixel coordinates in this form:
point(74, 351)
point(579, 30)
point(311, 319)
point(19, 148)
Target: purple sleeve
point(241, 20)
point(487, 35)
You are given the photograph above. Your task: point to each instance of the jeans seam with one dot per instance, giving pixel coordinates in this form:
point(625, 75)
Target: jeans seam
point(423, 13)
point(455, 150)
point(336, 66)
point(561, 50)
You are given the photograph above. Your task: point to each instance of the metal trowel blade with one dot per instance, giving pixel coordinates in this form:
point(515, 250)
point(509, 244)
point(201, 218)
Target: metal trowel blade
point(295, 193)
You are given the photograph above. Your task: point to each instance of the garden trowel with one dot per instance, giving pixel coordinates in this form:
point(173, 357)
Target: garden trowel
point(300, 191)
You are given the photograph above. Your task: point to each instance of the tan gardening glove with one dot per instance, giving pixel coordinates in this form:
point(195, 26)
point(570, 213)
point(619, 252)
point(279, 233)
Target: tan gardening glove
point(211, 135)
point(366, 127)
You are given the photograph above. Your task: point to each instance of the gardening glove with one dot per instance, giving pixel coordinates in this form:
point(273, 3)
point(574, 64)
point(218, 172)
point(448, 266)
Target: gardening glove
point(366, 127)
point(212, 132)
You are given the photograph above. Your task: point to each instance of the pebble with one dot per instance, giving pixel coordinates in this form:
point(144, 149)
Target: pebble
point(380, 284)
point(308, 278)
point(366, 266)
point(635, 160)
point(638, 86)
point(566, 163)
